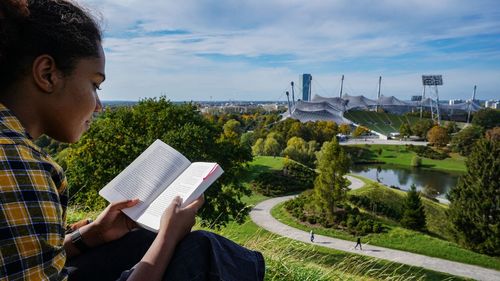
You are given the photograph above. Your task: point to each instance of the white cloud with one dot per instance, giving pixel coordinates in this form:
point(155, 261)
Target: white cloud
point(307, 33)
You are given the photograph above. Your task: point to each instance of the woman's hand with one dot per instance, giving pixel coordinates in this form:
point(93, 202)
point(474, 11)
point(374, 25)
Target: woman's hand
point(110, 225)
point(176, 222)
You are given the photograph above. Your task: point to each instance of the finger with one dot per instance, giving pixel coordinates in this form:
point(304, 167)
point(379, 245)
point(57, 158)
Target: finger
point(196, 204)
point(130, 224)
point(176, 202)
point(123, 204)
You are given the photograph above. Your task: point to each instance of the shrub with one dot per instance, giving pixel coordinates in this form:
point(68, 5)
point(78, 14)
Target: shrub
point(427, 152)
point(277, 183)
point(301, 173)
point(416, 161)
point(378, 208)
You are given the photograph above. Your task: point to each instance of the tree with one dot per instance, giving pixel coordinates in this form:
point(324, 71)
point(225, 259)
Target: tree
point(451, 127)
point(345, 129)
point(413, 211)
point(475, 201)
point(493, 134)
point(119, 135)
point(416, 161)
point(324, 131)
point(232, 129)
point(438, 136)
point(487, 118)
point(405, 130)
point(359, 131)
point(330, 186)
point(247, 139)
point(271, 146)
point(258, 147)
point(462, 141)
point(421, 127)
point(301, 151)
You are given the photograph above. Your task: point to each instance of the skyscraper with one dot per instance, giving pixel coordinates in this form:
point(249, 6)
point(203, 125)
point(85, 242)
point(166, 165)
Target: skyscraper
point(306, 87)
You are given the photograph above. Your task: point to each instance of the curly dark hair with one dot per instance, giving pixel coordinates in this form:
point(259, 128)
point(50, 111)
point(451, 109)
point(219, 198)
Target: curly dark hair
point(30, 28)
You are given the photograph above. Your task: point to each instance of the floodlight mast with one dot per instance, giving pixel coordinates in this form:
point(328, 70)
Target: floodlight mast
point(433, 80)
point(470, 102)
point(437, 106)
point(341, 85)
point(422, 102)
point(293, 94)
point(289, 105)
point(378, 92)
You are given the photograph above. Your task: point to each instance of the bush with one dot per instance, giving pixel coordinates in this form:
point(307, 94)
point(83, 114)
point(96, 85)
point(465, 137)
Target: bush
point(416, 161)
point(346, 217)
point(294, 177)
point(427, 152)
point(301, 173)
point(378, 208)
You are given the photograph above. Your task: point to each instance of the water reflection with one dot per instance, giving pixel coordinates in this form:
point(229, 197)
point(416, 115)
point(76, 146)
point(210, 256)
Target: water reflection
point(404, 177)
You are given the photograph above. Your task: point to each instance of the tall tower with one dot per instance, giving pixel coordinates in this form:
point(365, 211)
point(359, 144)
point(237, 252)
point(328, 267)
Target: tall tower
point(306, 87)
point(432, 82)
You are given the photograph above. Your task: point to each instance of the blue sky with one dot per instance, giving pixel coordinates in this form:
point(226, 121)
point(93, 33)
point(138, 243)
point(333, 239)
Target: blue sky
point(252, 50)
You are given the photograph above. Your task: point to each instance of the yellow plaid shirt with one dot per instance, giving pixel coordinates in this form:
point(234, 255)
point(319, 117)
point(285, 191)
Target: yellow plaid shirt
point(33, 200)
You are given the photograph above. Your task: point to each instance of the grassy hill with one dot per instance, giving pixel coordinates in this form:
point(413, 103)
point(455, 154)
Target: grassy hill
point(291, 260)
point(435, 243)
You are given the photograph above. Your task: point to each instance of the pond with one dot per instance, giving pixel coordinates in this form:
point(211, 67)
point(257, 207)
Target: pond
point(404, 177)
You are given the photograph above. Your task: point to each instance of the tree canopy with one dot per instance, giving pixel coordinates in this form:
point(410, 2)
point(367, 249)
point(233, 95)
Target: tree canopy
point(330, 186)
point(118, 136)
point(413, 211)
point(462, 141)
point(421, 127)
point(475, 201)
point(438, 136)
point(487, 118)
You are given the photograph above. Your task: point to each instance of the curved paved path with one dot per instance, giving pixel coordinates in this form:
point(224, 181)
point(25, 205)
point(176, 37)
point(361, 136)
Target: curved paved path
point(261, 215)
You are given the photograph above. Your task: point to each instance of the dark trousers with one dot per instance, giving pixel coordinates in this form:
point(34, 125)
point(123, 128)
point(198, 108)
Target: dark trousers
point(199, 256)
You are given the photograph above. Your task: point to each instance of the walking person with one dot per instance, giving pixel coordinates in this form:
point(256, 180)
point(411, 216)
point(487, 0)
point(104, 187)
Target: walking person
point(312, 236)
point(358, 243)
point(51, 67)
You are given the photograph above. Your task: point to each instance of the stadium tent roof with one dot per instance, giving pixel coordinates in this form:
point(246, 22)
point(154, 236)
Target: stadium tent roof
point(318, 105)
point(336, 102)
point(324, 108)
point(392, 101)
point(358, 102)
point(321, 115)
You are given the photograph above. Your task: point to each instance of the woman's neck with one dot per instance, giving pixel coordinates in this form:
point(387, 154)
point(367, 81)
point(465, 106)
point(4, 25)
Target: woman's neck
point(25, 107)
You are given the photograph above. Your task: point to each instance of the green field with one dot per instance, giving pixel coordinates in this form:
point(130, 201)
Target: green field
point(399, 155)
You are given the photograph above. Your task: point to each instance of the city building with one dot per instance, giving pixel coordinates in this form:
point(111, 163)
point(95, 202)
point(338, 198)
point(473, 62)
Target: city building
point(306, 87)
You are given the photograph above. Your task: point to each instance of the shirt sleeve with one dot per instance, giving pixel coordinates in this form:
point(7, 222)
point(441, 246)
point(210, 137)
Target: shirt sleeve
point(32, 215)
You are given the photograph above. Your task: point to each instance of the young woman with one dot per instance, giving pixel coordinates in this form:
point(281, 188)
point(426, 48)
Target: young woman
point(51, 66)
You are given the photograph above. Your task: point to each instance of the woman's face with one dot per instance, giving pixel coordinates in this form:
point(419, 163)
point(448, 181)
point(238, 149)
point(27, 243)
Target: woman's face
point(75, 101)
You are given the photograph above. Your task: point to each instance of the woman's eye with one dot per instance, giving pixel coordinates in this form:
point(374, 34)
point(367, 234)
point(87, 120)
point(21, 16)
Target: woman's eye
point(97, 87)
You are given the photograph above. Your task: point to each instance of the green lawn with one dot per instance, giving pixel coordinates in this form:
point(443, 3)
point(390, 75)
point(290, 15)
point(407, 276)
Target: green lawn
point(288, 259)
point(400, 238)
point(399, 155)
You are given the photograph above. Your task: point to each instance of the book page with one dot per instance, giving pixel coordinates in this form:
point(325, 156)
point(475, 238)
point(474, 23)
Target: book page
point(146, 177)
point(184, 186)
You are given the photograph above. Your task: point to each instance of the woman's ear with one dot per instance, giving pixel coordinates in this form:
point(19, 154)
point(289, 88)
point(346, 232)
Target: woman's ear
point(45, 73)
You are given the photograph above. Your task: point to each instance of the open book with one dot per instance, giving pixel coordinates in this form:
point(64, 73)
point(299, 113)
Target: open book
point(155, 177)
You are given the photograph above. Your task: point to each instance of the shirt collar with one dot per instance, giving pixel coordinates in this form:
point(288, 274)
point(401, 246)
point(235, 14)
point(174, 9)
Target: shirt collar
point(12, 128)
